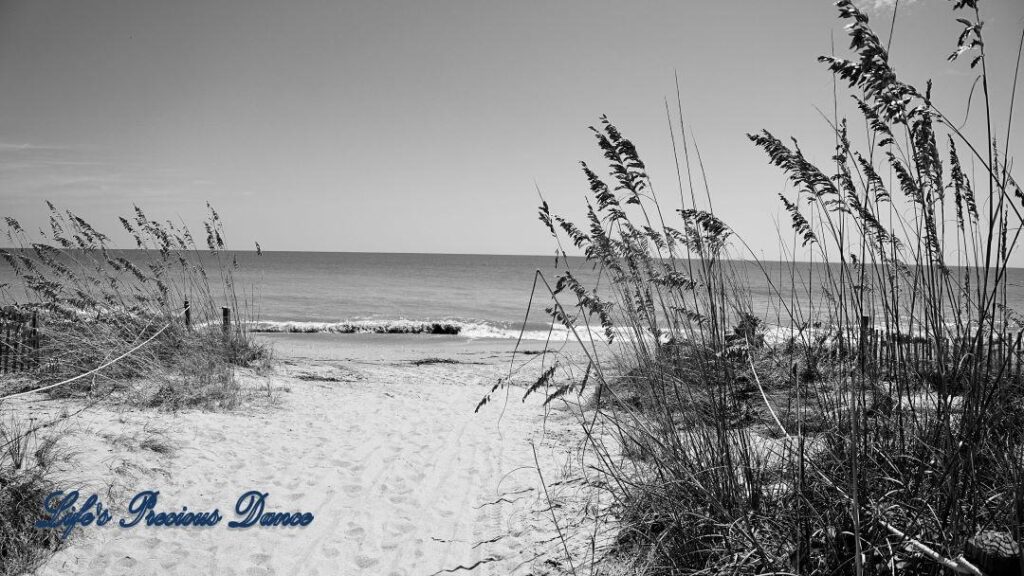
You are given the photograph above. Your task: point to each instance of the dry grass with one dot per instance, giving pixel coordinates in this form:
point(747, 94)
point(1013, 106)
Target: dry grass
point(24, 484)
point(96, 304)
point(729, 452)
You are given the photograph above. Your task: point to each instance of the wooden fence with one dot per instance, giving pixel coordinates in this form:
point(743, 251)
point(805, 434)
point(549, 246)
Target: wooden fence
point(19, 341)
point(891, 354)
point(20, 337)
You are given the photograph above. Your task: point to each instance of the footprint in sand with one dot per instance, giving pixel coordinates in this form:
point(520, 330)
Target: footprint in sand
point(398, 499)
point(98, 564)
point(364, 562)
point(401, 528)
point(356, 532)
point(331, 551)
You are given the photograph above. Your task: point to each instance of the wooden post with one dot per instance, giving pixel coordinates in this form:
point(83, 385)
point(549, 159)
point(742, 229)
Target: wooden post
point(34, 339)
point(5, 339)
point(1017, 354)
point(890, 354)
point(18, 365)
point(929, 353)
point(911, 354)
point(188, 316)
point(226, 317)
point(1002, 350)
point(899, 360)
point(1011, 346)
point(883, 350)
point(863, 341)
point(1009, 352)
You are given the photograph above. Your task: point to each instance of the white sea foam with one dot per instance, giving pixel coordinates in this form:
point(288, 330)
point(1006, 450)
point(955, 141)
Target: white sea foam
point(773, 334)
point(465, 329)
point(397, 326)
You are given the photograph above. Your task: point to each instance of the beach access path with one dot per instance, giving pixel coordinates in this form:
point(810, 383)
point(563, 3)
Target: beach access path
point(385, 450)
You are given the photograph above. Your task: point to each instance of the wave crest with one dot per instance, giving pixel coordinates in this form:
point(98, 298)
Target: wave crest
point(465, 329)
point(361, 327)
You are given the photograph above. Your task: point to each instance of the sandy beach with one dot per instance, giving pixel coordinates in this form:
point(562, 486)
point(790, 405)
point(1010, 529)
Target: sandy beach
point(384, 449)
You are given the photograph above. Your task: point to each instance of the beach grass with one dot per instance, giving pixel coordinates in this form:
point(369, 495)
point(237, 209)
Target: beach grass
point(159, 306)
point(25, 467)
point(731, 445)
point(144, 328)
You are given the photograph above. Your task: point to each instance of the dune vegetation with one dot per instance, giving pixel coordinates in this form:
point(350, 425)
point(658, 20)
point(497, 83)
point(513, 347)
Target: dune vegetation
point(873, 424)
point(143, 327)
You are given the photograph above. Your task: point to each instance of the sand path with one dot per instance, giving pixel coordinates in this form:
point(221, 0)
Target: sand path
point(402, 476)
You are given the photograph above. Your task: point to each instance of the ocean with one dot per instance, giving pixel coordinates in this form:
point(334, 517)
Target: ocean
point(473, 295)
point(478, 295)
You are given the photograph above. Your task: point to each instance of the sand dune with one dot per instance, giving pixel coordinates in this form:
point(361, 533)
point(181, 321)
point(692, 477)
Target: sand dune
point(402, 476)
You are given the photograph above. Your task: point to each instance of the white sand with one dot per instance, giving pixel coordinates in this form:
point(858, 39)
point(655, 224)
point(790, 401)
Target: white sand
point(402, 476)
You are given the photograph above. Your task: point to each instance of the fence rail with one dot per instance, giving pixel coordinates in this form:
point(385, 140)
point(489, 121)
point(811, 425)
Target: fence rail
point(19, 340)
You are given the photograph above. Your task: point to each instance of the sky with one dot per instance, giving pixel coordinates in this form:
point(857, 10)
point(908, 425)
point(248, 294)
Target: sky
point(427, 126)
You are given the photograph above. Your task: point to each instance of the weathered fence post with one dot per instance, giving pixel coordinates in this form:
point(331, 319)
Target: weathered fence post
point(34, 339)
point(890, 355)
point(883, 350)
point(5, 339)
point(1002, 349)
point(1017, 355)
point(226, 319)
point(19, 363)
point(863, 341)
point(188, 316)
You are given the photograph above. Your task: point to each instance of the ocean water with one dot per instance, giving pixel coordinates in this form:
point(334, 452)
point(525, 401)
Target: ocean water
point(475, 296)
point(480, 295)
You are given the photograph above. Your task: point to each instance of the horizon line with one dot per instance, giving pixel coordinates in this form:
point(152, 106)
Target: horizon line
point(753, 260)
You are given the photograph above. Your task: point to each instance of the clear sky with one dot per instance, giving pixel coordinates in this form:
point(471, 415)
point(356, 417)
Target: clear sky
point(422, 126)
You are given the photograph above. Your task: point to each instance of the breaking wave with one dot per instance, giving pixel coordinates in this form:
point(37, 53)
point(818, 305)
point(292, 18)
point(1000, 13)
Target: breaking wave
point(466, 329)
